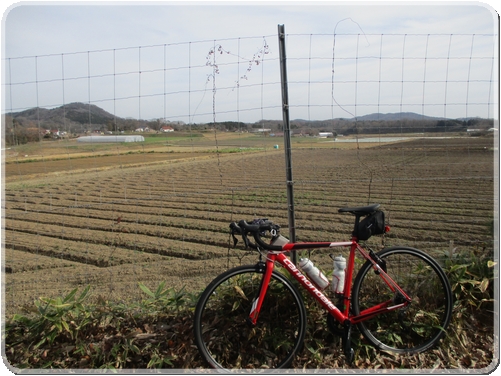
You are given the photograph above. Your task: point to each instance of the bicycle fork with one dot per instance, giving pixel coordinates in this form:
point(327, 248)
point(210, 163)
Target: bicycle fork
point(258, 302)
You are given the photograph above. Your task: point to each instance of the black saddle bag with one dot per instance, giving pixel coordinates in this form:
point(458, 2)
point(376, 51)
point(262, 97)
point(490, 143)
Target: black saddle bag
point(373, 224)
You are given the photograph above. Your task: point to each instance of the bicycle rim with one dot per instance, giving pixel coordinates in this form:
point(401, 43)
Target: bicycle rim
point(422, 323)
point(226, 340)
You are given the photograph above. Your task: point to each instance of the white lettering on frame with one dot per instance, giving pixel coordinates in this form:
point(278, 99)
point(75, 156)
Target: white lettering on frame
point(309, 285)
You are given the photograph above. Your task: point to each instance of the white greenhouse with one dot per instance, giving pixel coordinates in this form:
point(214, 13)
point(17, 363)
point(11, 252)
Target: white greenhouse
point(110, 139)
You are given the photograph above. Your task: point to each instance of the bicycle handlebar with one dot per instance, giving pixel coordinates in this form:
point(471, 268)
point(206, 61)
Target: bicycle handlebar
point(257, 228)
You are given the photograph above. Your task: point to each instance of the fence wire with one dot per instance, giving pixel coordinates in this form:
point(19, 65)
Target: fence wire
point(408, 121)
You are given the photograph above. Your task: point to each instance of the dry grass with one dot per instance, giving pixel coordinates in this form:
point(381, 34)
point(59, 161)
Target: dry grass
point(159, 334)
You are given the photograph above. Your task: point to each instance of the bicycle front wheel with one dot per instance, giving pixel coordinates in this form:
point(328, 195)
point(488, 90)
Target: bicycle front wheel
point(224, 337)
point(419, 325)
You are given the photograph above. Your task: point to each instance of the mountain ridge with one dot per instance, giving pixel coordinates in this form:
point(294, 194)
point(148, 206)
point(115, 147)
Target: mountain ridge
point(77, 112)
point(85, 113)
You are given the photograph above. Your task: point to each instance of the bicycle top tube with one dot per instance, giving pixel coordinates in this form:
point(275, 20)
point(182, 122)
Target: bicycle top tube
point(258, 228)
point(310, 245)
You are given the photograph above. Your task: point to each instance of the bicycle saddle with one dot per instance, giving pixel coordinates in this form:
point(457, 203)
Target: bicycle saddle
point(361, 210)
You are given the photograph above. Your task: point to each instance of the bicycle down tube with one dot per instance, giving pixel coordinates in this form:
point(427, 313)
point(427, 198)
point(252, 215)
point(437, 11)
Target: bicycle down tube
point(282, 259)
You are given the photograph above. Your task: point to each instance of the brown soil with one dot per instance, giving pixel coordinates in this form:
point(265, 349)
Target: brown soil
point(166, 216)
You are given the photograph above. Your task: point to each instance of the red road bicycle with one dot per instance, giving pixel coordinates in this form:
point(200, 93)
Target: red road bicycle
point(253, 316)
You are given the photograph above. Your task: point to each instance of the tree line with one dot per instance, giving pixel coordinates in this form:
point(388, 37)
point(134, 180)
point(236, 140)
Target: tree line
point(21, 129)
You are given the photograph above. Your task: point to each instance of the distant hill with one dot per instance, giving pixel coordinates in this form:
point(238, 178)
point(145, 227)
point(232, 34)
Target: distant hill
point(76, 118)
point(386, 117)
point(401, 122)
point(84, 113)
point(395, 116)
point(74, 112)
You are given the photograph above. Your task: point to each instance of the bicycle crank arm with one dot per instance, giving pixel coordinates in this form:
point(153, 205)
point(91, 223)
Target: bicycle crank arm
point(347, 349)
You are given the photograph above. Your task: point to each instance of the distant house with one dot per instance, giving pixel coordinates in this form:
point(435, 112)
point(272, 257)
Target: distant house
point(117, 138)
point(325, 134)
point(166, 128)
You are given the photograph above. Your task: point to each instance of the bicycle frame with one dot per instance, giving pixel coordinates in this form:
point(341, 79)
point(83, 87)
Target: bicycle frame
point(341, 316)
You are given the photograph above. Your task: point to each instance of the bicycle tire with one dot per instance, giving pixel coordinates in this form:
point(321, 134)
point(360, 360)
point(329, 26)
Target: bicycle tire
point(421, 324)
point(224, 337)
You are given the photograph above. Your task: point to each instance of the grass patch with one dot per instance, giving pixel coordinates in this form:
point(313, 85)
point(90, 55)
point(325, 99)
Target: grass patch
point(70, 333)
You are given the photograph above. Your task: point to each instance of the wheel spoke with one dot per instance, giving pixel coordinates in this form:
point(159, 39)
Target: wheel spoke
point(225, 338)
point(420, 324)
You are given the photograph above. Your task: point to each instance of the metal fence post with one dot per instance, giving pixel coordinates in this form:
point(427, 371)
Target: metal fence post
point(287, 139)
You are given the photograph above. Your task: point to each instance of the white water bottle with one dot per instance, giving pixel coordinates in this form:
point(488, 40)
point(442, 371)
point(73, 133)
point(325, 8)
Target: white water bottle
point(314, 273)
point(338, 275)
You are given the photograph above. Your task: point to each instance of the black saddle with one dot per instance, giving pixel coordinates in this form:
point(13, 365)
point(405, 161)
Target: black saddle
point(361, 210)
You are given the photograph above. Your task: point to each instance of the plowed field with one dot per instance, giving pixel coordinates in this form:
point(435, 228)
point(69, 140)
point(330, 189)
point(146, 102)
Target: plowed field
point(114, 227)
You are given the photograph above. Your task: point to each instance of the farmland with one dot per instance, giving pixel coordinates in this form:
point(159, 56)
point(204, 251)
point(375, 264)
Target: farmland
point(160, 213)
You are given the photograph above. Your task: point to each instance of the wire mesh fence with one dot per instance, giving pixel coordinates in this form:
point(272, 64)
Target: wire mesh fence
point(408, 121)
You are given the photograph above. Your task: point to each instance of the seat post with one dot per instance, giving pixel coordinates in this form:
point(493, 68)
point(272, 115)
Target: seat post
point(355, 228)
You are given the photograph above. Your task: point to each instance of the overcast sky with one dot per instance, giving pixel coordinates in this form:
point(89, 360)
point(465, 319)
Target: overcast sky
point(58, 53)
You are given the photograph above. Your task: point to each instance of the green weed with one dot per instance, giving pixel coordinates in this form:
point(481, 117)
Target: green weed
point(68, 332)
point(164, 298)
point(471, 276)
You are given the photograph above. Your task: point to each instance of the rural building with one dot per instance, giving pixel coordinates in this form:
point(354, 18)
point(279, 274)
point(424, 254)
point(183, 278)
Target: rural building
point(111, 139)
point(325, 134)
point(166, 128)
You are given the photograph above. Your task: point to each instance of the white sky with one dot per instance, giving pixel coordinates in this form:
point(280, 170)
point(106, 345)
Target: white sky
point(457, 74)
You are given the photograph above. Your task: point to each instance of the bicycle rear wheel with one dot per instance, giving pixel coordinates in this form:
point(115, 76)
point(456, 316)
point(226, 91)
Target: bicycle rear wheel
point(226, 340)
point(422, 323)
